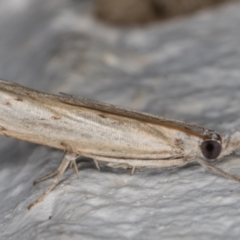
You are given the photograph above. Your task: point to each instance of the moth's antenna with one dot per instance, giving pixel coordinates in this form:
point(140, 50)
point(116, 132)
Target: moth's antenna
point(217, 170)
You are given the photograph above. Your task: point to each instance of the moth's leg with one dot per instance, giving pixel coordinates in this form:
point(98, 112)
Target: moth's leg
point(56, 171)
point(73, 164)
point(217, 170)
point(133, 170)
point(97, 165)
point(67, 159)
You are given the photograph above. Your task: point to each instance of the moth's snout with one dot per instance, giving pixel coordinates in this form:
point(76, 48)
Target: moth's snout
point(211, 149)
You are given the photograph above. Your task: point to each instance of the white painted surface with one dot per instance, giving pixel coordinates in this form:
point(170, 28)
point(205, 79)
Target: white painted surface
point(187, 69)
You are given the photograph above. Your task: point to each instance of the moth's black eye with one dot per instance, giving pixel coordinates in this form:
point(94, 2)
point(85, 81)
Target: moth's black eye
point(211, 149)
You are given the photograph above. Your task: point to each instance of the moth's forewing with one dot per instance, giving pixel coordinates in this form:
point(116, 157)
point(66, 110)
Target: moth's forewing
point(92, 128)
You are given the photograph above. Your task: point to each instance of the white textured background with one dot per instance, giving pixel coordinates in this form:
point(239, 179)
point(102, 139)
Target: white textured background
point(187, 68)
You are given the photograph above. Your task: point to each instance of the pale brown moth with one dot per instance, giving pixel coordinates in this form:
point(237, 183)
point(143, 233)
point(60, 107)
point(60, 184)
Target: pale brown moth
point(117, 136)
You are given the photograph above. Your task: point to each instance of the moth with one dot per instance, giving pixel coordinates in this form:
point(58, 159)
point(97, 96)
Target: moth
point(118, 136)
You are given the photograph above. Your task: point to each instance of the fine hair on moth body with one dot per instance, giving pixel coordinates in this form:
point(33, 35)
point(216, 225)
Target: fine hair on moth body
point(114, 135)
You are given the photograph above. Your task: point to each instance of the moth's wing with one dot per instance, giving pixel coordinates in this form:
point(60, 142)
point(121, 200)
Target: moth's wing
point(107, 108)
point(129, 113)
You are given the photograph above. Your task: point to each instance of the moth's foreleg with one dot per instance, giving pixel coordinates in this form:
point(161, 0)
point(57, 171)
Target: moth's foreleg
point(208, 165)
point(68, 159)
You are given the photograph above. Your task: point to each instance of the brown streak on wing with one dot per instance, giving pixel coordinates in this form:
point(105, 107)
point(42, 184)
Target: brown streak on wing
point(139, 157)
point(140, 116)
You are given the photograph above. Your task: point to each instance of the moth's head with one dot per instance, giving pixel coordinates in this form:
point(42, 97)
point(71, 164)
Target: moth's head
point(231, 143)
point(211, 149)
point(221, 146)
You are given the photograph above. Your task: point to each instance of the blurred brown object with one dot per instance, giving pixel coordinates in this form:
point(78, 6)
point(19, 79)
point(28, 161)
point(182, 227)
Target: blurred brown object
point(133, 12)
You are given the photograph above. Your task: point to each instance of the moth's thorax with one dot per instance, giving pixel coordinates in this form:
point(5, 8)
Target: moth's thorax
point(192, 146)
